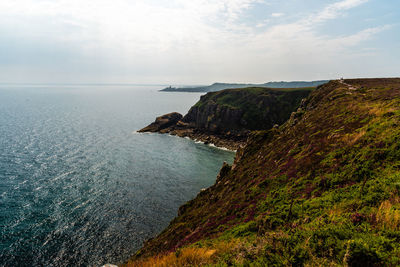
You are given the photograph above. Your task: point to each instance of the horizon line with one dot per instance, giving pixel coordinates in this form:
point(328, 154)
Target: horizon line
point(149, 84)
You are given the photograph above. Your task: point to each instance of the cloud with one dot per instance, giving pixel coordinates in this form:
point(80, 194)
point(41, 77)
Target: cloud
point(298, 47)
point(185, 41)
point(277, 15)
point(359, 37)
point(149, 23)
point(333, 10)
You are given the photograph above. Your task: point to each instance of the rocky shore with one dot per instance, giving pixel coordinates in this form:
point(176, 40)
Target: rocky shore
point(172, 123)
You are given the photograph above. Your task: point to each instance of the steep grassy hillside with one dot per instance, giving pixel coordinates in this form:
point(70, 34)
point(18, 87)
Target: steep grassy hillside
point(322, 189)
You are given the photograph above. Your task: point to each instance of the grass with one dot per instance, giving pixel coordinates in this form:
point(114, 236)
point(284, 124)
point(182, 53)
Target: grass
point(183, 257)
point(388, 215)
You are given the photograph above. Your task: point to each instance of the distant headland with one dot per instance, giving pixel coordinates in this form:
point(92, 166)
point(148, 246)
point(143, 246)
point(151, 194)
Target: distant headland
point(222, 86)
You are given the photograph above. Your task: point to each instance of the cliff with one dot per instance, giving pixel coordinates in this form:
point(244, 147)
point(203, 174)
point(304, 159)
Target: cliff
point(225, 118)
point(320, 190)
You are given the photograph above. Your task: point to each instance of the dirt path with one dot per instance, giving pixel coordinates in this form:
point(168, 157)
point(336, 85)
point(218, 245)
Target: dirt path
point(348, 85)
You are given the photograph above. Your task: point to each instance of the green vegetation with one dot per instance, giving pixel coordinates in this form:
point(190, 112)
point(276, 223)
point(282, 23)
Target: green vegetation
point(321, 190)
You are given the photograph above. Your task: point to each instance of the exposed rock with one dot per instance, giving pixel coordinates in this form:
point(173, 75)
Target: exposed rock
point(163, 122)
point(225, 169)
point(241, 110)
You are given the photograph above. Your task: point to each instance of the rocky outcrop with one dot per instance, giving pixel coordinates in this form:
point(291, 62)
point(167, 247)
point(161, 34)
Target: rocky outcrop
point(163, 122)
point(229, 140)
point(227, 117)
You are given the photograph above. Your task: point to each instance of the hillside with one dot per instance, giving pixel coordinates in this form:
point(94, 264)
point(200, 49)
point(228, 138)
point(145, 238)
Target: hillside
point(222, 86)
point(322, 189)
point(225, 118)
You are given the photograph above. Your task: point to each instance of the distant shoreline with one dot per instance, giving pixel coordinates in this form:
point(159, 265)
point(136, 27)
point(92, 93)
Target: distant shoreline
point(222, 86)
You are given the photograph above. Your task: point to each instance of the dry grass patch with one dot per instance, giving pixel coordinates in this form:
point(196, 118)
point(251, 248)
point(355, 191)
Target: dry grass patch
point(351, 139)
point(183, 257)
point(388, 215)
point(379, 109)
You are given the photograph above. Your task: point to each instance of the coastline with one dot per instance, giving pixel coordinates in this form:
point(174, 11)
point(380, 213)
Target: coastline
point(218, 141)
point(231, 148)
point(172, 124)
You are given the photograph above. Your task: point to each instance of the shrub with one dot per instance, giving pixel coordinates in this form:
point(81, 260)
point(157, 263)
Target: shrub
point(360, 254)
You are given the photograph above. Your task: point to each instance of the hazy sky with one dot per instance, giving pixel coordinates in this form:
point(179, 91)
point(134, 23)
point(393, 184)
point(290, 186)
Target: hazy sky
point(197, 41)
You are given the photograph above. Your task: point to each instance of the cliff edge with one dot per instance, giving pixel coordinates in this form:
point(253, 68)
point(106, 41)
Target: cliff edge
point(323, 189)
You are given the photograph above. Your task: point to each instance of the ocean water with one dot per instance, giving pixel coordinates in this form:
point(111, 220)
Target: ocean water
point(78, 186)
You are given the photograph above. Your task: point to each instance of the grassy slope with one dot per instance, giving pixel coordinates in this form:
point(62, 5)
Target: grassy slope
point(320, 191)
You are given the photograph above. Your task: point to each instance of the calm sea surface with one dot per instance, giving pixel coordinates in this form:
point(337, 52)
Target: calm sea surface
point(78, 187)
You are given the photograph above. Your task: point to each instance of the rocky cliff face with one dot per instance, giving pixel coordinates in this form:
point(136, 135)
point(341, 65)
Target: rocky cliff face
point(226, 118)
point(244, 109)
point(323, 189)
point(216, 118)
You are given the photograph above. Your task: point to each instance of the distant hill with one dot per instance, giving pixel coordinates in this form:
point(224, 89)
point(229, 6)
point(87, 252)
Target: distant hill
point(221, 86)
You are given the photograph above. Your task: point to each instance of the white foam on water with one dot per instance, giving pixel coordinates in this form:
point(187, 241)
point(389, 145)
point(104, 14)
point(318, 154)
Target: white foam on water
point(222, 148)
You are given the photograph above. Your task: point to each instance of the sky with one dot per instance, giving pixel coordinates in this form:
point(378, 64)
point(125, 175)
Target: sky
point(197, 41)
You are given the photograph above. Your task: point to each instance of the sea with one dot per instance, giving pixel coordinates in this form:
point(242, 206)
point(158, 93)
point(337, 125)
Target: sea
point(78, 185)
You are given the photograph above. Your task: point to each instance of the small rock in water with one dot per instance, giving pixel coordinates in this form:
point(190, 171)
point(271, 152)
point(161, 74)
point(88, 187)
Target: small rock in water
point(109, 265)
